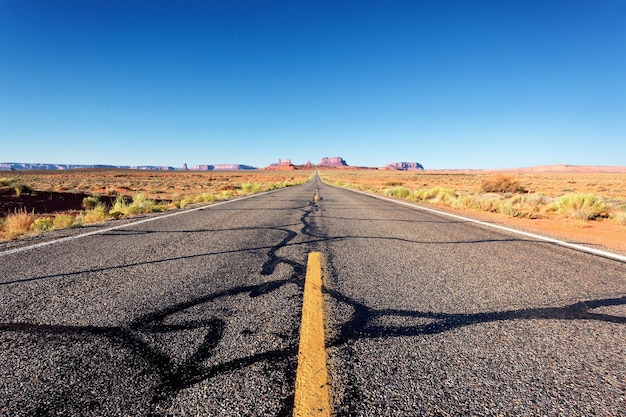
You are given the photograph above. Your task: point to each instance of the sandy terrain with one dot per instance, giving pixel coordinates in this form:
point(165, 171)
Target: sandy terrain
point(62, 191)
point(554, 181)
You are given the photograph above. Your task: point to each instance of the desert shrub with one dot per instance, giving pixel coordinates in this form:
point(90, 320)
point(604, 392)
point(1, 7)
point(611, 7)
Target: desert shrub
point(13, 184)
point(476, 202)
point(208, 197)
point(18, 223)
point(620, 217)
point(97, 214)
point(63, 221)
point(465, 201)
point(399, 192)
point(488, 203)
point(537, 200)
point(580, 206)
point(141, 204)
point(501, 183)
point(204, 198)
point(518, 206)
point(185, 202)
point(225, 194)
point(250, 188)
point(90, 203)
point(445, 196)
point(394, 183)
point(42, 224)
point(120, 207)
point(437, 195)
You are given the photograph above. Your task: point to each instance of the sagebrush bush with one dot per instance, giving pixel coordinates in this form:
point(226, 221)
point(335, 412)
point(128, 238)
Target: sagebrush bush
point(90, 202)
point(18, 223)
point(63, 221)
point(13, 184)
point(580, 206)
point(97, 214)
point(42, 224)
point(437, 195)
point(250, 188)
point(139, 205)
point(501, 183)
point(186, 201)
point(120, 207)
point(399, 192)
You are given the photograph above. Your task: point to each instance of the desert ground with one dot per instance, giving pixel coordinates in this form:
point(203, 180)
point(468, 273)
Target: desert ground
point(37, 201)
point(537, 200)
point(535, 207)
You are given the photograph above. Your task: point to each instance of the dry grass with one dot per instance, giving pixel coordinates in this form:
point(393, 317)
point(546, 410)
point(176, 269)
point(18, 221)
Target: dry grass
point(155, 185)
point(501, 183)
point(584, 196)
point(17, 224)
point(13, 185)
point(136, 192)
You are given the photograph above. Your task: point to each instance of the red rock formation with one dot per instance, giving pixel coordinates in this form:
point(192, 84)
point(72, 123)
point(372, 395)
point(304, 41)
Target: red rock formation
point(282, 165)
point(335, 162)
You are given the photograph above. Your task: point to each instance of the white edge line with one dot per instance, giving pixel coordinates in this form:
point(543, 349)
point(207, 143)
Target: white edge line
point(496, 226)
point(123, 226)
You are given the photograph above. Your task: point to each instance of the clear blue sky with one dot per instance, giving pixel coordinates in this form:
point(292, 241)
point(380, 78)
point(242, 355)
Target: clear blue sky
point(449, 84)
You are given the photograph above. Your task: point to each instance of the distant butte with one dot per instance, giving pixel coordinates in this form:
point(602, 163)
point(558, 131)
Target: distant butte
point(338, 162)
point(285, 164)
point(334, 162)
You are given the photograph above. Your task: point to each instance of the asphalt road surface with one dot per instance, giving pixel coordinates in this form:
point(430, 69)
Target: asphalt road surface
point(199, 314)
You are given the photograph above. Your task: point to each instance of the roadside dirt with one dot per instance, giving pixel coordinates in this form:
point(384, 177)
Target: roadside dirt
point(41, 202)
point(594, 233)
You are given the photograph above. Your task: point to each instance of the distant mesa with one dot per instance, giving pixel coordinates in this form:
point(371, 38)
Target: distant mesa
point(334, 162)
point(19, 166)
point(405, 166)
point(286, 164)
point(222, 167)
point(281, 165)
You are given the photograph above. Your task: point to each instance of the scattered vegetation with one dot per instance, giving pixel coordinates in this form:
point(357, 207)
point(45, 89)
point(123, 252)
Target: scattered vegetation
point(500, 183)
point(17, 223)
point(155, 192)
point(398, 192)
point(620, 217)
point(42, 224)
point(89, 203)
point(98, 213)
point(63, 221)
point(580, 206)
point(499, 193)
point(13, 185)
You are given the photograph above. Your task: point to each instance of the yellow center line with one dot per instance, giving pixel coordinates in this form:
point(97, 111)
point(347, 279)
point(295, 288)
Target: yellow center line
point(312, 392)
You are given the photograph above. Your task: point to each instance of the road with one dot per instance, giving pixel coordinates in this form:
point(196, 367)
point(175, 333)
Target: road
point(198, 313)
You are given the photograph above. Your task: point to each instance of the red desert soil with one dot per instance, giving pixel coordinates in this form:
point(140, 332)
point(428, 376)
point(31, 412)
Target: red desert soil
point(44, 202)
point(599, 232)
point(593, 233)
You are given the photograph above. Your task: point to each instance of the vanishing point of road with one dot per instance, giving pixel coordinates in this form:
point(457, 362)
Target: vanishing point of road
point(198, 313)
